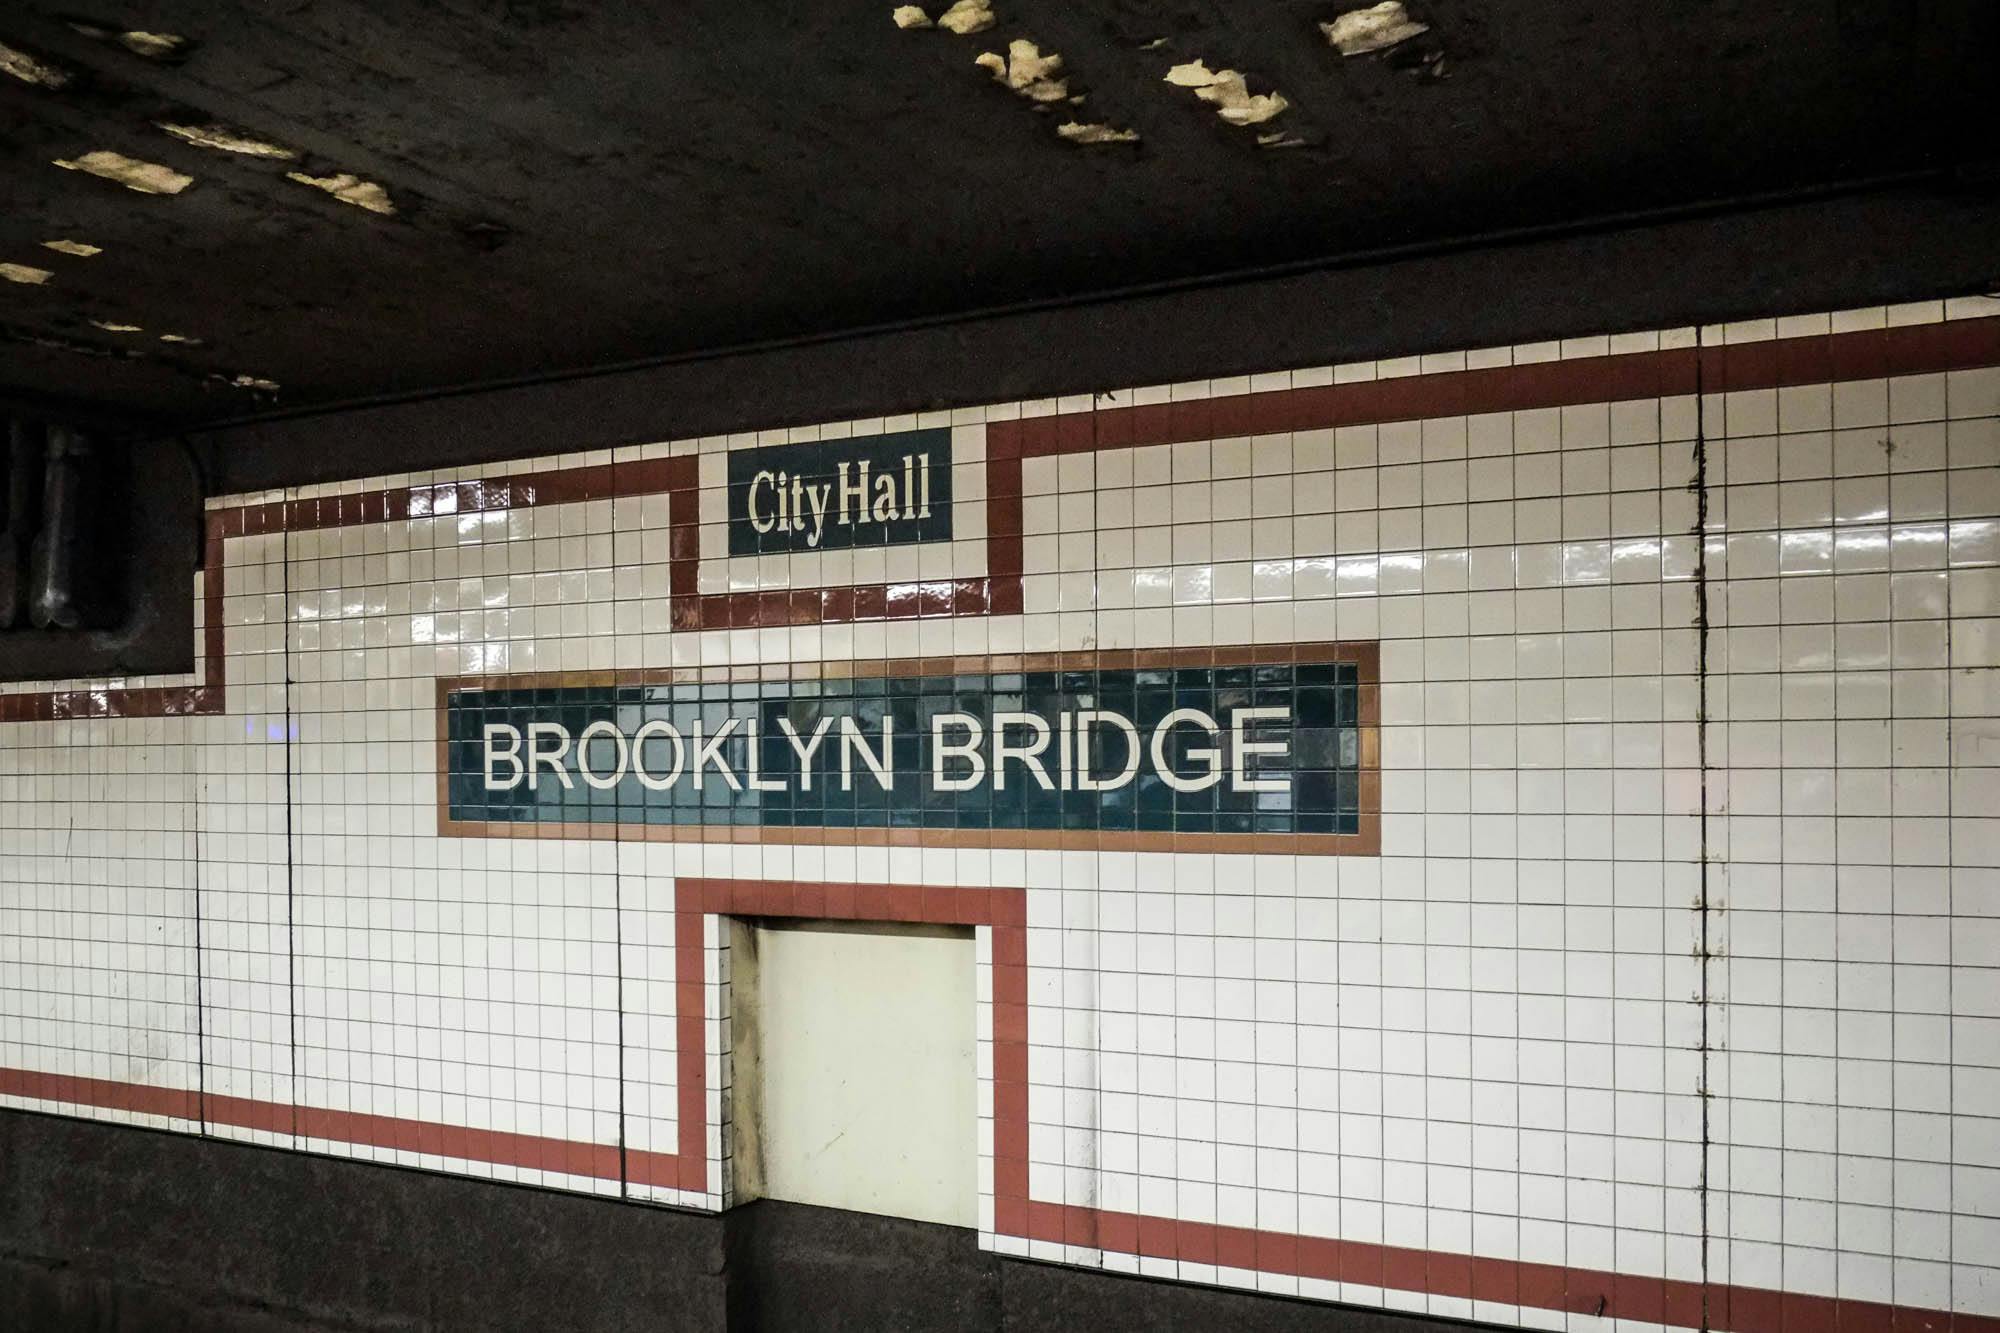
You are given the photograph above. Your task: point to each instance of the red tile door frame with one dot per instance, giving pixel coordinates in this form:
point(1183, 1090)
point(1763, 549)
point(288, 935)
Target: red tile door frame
point(1001, 910)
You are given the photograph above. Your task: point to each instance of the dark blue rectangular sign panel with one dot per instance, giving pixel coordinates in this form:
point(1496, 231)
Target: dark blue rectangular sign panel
point(875, 490)
point(1278, 748)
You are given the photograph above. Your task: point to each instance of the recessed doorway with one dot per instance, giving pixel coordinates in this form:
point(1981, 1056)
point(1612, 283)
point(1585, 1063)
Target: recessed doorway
point(854, 1079)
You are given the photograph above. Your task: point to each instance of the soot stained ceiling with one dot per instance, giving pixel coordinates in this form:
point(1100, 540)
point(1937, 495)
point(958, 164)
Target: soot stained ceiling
point(385, 198)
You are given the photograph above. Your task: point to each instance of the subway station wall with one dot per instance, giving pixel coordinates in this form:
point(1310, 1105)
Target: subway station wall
point(1607, 934)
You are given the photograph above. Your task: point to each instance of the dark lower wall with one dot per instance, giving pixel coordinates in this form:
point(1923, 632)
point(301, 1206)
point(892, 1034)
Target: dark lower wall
point(108, 1228)
point(122, 1230)
point(801, 1268)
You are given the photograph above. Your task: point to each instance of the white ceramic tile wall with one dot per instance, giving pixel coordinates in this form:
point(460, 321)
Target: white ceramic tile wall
point(1489, 1040)
point(1854, 550)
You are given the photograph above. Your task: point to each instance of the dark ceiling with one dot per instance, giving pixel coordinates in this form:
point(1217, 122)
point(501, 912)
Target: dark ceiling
point(578, 185)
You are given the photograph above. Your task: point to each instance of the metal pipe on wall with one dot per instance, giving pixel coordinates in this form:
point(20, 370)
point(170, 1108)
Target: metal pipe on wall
point(55, 595)
point(101, 592)
point(25, 445)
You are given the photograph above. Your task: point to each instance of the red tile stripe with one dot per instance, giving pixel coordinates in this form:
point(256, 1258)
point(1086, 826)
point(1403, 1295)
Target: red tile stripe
point(355, 1127)
point(109, 1094)
point(1502, 1281)
point(1917, 349)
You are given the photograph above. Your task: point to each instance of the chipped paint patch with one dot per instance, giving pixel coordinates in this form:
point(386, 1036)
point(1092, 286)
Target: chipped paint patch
point(130, 172)
point(154, 45)
point(1026, 71)
point(26, 274)
point(1376, 28)
point(1280, 139)
point(180, 338)
point(113, 326)
point(29, 70)
point(253, 382)
point(909, 16)
point(81, 249)
point(224, 140)
point(349, 189)
point(1228, 92)
point(967, 17)
point(1095, 133)
point(151, 45)
point(34, 338)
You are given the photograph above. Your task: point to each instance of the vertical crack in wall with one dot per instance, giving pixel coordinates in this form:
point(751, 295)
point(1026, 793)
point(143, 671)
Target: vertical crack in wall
point(1703, 910)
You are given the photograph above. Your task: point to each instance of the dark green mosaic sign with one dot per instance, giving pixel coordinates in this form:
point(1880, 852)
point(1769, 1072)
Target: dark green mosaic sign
point(874, 490)
point(1273, 748)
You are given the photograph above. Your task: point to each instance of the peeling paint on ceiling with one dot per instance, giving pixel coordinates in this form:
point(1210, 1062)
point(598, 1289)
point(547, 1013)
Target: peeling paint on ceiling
point(26, 274)
point(253, 382)
point(1228, 92)
point(56, 342)
point(1025, 70)
point(130, 172)
point(1376, 28)
point(349, 189)
point(967, 17)
point(80, 249)
point(1095, 133)
point(909, 16)
point(180, 338)
point(27, 69)
point(153, 45)
point(113, 326)
point(224, 140)
point(518, 155)
point(166, 46)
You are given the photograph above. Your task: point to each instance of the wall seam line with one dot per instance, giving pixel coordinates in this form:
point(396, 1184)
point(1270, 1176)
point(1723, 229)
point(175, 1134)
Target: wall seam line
point(200, 998)
point(618, 962)
point(291, 837)
point(1704, 918)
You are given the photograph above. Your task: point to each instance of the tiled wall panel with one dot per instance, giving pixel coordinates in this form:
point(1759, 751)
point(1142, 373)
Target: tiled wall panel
point(1854, 551)
point(98, 1008)
point(1661, 992)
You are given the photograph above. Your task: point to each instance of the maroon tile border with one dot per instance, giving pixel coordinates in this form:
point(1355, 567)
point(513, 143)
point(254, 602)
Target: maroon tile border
point(1914, 349)
point(354, 1127)
point(1004, 910)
